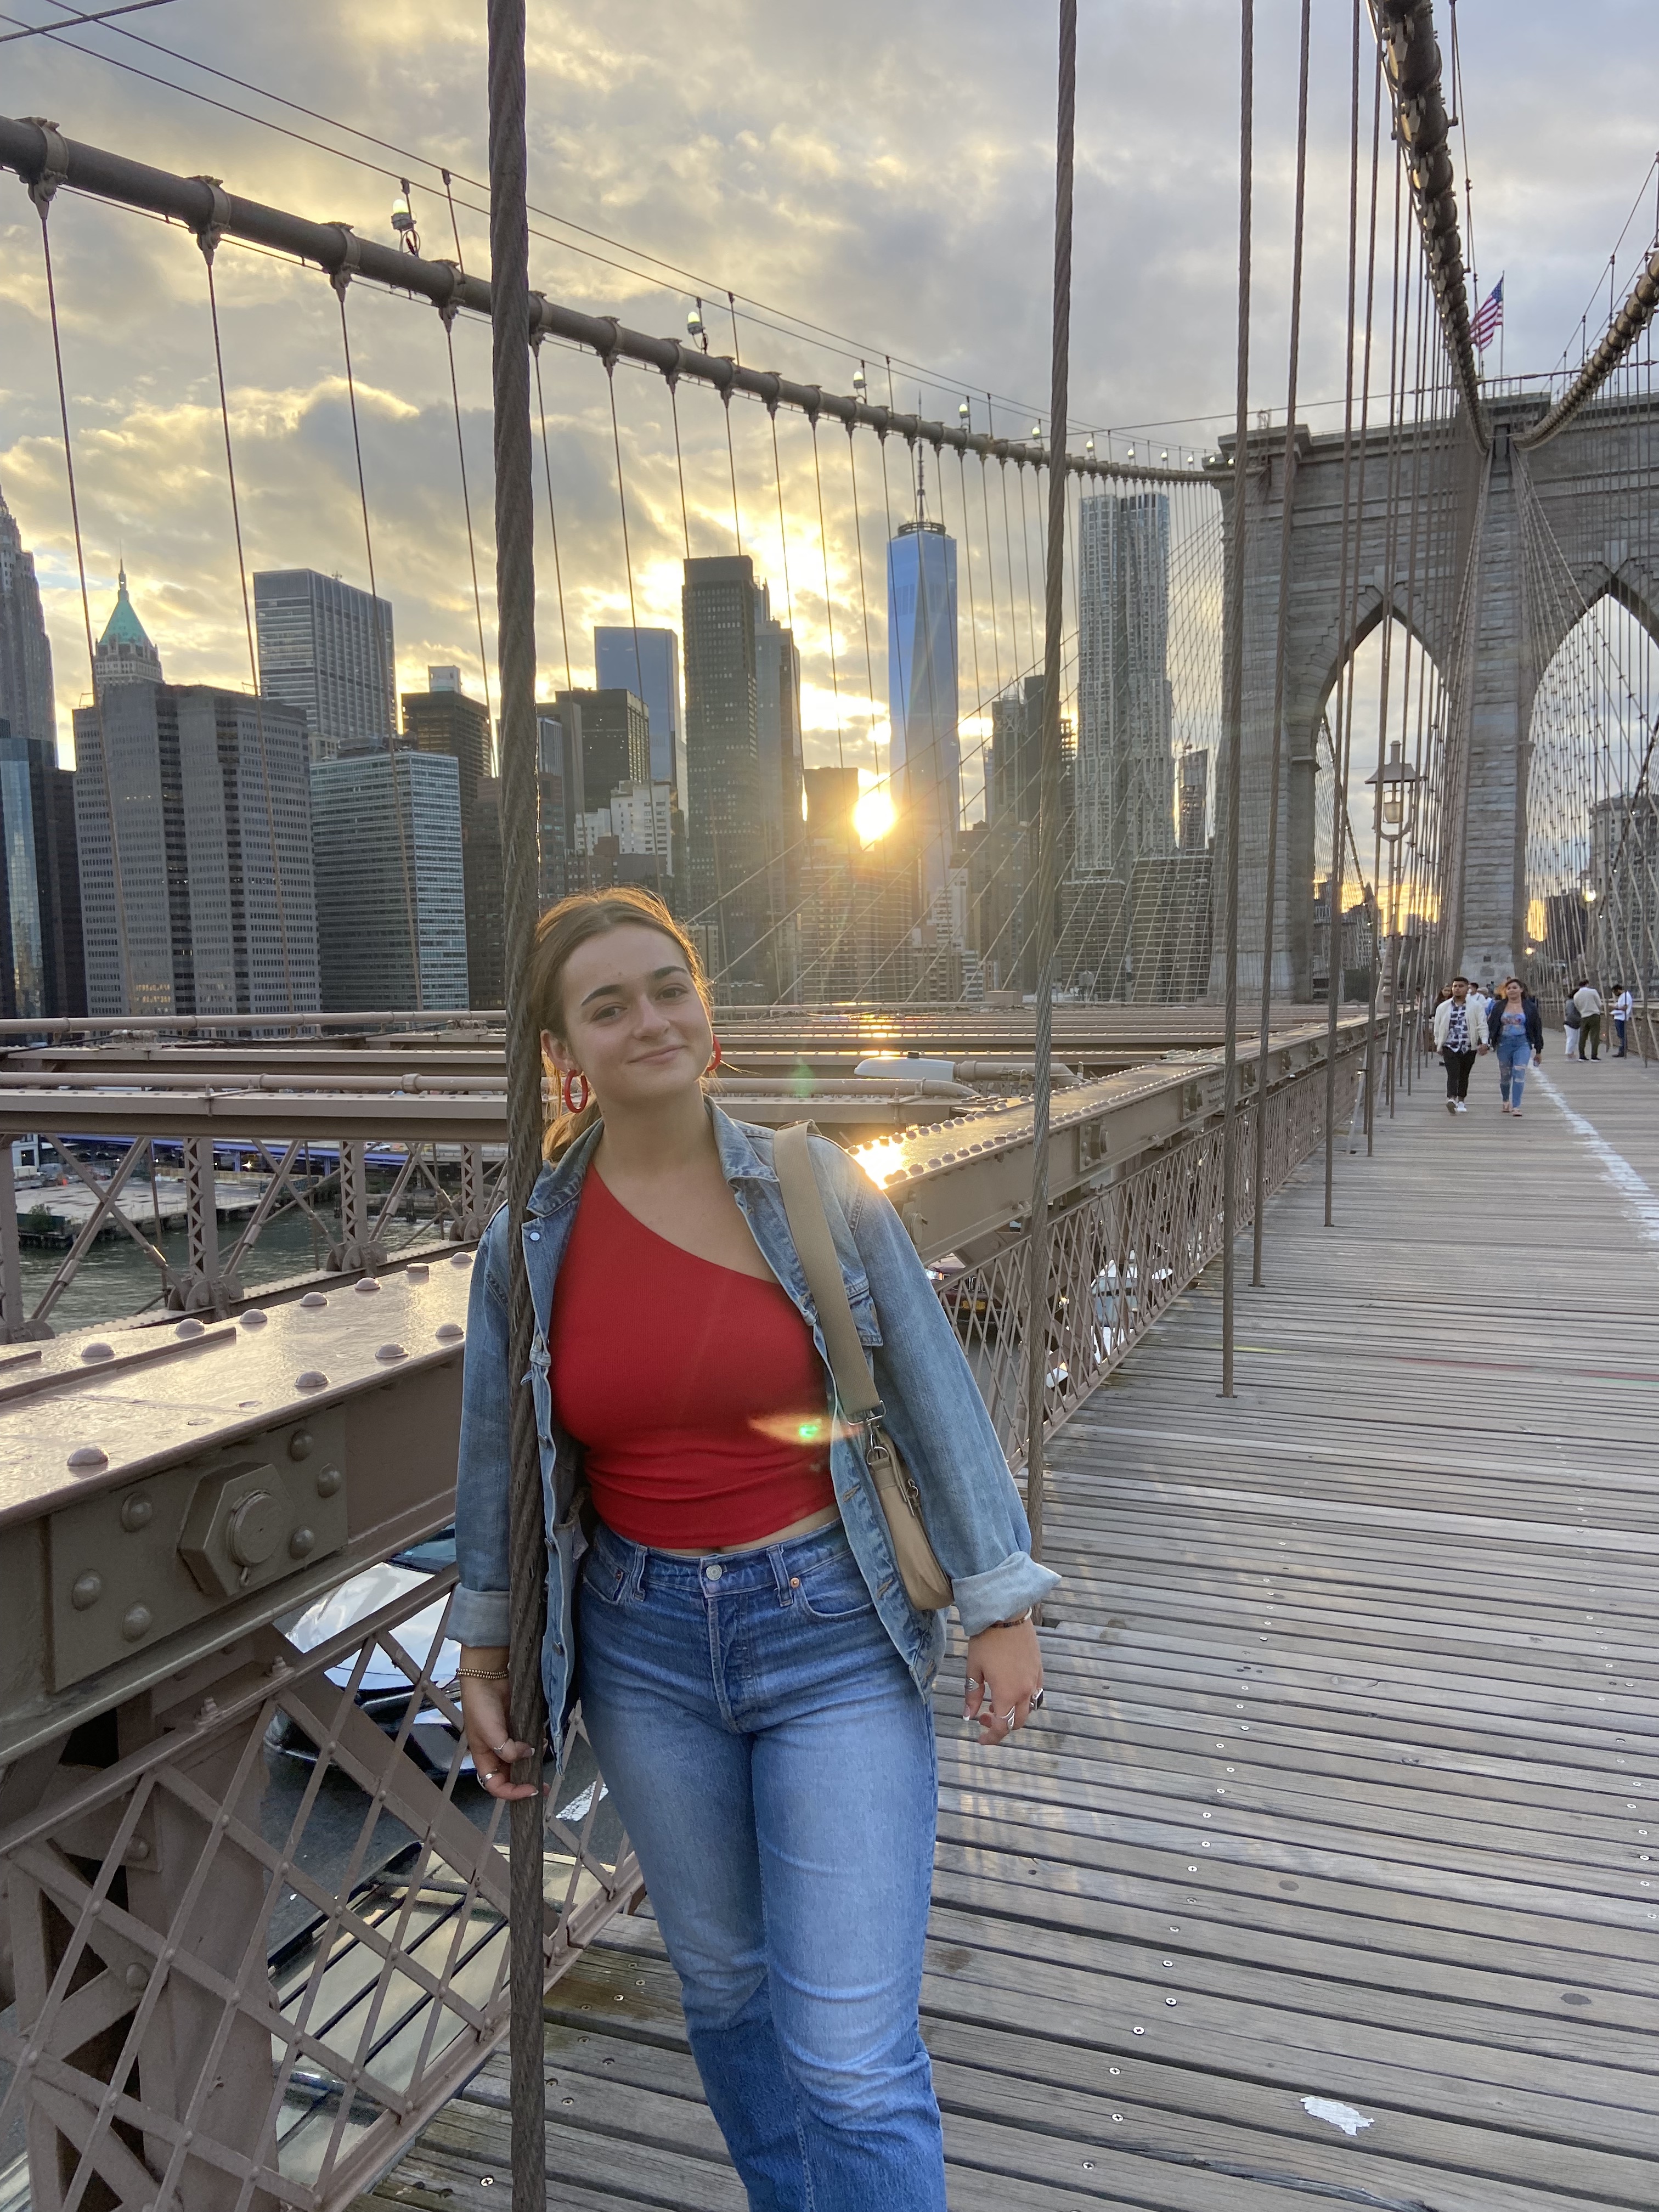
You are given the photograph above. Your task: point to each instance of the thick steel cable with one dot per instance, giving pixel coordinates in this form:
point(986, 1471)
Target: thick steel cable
point(388, 676)
point(515, 601)
point(1334, 894)
point(732, 462)
point(863, 602)
point(448, 318)
point(829, 603)
point(1036, 1259)
point(783, 534)
point(42, 196)
point(679, 462)
point(206, 242)
point(1281, 633)
point(552, 515)
point(1233, 708)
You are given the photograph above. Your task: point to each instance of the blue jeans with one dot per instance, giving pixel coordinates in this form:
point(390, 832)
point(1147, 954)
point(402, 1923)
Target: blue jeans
point(1514, 1059)
point(774, 1764)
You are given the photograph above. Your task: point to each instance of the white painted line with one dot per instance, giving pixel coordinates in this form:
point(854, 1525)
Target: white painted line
point(1638, 1194)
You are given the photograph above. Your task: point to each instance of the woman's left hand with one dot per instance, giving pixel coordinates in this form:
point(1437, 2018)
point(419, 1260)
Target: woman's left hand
point(1005, 1673)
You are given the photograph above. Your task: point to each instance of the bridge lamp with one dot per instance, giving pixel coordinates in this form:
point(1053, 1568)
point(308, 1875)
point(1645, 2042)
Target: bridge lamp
point(1394, 783)
point(403, 218)
point(1164, 457)
point(861, 384)
point(694, 326)
point(1089, 447)
point(965, 414)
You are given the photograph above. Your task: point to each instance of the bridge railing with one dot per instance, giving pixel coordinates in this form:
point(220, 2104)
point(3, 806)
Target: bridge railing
point(257, 1900)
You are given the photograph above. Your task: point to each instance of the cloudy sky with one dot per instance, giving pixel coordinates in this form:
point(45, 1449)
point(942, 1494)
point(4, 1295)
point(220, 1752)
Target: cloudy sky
point(882, 172)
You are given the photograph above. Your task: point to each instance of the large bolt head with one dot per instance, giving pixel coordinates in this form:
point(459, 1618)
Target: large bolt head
point(254, 1528)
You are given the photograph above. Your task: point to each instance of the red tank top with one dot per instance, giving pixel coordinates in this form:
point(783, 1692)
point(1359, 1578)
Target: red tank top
point(697, 1392)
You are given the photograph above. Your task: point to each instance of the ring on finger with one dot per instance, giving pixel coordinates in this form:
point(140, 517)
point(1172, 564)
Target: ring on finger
point(501, 1749)
point(1008, 1717)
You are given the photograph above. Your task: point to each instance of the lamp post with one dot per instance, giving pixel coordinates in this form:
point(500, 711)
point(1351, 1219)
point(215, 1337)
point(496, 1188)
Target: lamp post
point(1395, 784)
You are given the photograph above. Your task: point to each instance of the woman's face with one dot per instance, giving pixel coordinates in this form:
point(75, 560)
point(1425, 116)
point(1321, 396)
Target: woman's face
point(634, 1022)
point(1512, 994)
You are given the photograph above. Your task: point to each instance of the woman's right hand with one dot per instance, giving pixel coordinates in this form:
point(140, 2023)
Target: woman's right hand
point(489, 1735)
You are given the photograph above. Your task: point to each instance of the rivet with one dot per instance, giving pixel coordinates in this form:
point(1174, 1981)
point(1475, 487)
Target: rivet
point(137, 1976)
point(134, 1623)
point(1137, 2031)
point(207, 1709)
point(365, 1286)
point(302, 1543)
point(417, 1270)
point(91, 1354)
point(311, 1378)
point(313, 1300)
point(255, 1319)
point(450, 1332)
point(301, 1445)
point(390, 1352)
point(138, 1849)
point(138, 1510)
point(191, 1328)
point(328, 1481)
point(87, 1590)
point(460, 1259)
point(795, 1581)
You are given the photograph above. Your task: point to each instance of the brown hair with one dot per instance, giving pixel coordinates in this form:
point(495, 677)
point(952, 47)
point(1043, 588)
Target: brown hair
point(574, 921)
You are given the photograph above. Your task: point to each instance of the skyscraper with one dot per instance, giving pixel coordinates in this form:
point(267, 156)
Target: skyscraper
point(326, 649)
point(26, 698)
point(645, 662)
point(42, 969)
point(193, 822)
point(1194, 831)
point(442, 719)
point(391, 894)
point(922, 688)
point(726, 805)
point(125, 653)
point(778, 755)
point(1125, 769)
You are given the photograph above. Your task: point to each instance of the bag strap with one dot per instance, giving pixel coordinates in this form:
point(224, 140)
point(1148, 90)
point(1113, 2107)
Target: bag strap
point(809, 1225)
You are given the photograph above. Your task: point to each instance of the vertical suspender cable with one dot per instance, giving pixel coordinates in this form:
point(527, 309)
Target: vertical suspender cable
point(1233, 705)
point(552, 515)
point(1281, 631)
point(448, 317)
point(515, 604)
point(388, 676)
point(41, 194)
point(1036, 1278)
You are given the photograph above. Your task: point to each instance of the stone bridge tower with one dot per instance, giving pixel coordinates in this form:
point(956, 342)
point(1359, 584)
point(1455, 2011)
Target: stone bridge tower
point(1490, 566)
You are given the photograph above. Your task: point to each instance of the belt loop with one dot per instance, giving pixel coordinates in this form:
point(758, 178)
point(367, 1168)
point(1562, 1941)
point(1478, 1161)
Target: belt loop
point(636, 1569)
point(780, 1572)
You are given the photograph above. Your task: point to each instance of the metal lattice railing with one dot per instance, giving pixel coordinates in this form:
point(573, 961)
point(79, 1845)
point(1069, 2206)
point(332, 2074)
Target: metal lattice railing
point(232, 1994)
point(1120, 1255)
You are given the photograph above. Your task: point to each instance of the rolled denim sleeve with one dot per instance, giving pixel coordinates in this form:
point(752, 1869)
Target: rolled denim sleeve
point(971, 1505)
point(479, 1614)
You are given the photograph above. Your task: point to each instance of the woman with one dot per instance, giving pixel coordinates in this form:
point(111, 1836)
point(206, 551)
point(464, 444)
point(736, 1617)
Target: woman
point(753, 1677)
point(1518, 1032)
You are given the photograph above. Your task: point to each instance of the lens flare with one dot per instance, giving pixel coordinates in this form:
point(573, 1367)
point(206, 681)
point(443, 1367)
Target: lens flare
point(874, 815)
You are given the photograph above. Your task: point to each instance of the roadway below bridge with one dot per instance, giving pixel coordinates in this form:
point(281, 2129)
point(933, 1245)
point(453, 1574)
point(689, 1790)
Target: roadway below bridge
point(1333, 1870)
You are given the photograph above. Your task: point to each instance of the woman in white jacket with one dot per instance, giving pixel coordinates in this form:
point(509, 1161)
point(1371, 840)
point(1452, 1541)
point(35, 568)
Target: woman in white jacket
point(1460, 1033)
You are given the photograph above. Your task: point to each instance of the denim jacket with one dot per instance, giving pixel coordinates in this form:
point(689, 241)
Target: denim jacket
point(934, 1414)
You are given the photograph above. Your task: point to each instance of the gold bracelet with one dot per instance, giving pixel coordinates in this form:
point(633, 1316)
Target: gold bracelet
point(481, 1673)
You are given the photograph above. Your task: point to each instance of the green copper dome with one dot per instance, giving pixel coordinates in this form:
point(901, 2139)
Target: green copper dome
point(124, 627)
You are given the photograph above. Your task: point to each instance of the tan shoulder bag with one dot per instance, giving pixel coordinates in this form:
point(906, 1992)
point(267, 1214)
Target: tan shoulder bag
point(925, 1583)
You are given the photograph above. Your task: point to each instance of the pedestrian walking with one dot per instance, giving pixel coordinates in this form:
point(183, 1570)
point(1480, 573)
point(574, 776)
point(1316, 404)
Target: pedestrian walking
point(1460, 1035)
point(1588, 1001)
point(1569, 1021)
point(743, 1598)
point(1623, 1008)
point(1518, 1031)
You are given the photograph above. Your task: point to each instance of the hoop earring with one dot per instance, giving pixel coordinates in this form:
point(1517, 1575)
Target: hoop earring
point(568, 1092)
point(715, 1058)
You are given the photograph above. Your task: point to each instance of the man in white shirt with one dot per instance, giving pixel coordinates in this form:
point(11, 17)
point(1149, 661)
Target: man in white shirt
point(1587, 999)
point(1460, 1032)
point(1622, 1006)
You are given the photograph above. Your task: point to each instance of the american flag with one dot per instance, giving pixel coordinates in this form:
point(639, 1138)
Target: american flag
point(1490, 320)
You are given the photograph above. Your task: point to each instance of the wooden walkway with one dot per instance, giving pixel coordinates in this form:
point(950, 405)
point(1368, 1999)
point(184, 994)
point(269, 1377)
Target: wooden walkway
point(1334, 1872)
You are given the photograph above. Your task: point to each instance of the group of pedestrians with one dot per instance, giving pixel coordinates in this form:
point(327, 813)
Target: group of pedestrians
point(1467, 1024)
point(1582, 1019)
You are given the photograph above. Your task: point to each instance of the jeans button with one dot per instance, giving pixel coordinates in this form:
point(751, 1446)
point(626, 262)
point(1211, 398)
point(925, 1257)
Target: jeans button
point(714, 1572)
